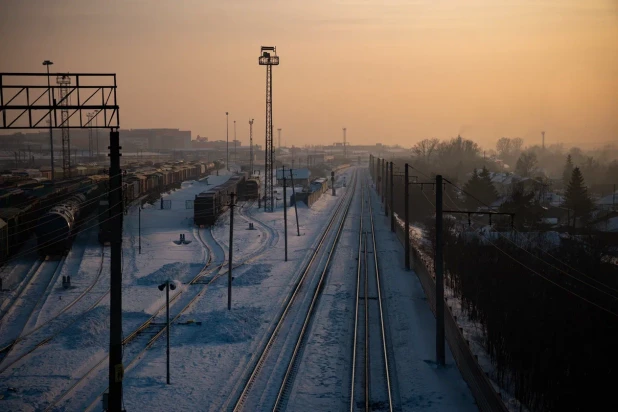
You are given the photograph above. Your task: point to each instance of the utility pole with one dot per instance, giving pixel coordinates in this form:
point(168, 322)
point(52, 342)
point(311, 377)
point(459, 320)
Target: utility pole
point(392, 201)
point(116, 369)
point(279, 138)
point(345, 154)
point(285, 214)
point(386, 189)
point(227, 142)
point(407, 217)
point(229, 272)
point(332, 182)
point(251, 149)
point(440, 357)
point(139, 229)
point(235, 158)
point(50, 96)
point(295, 201)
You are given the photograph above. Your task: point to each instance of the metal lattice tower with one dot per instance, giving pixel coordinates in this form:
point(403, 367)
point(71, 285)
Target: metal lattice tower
point(90, 136)
point(64, 81)
point(269, 60)
point(250, 147)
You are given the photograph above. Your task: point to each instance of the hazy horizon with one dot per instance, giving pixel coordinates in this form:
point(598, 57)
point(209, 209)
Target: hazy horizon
point(394, 72)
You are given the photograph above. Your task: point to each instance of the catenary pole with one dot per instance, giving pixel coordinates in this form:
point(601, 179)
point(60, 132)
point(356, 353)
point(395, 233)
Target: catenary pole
point(116, 369)
point(392, 201)
point(440, 357)
point(407, 217)
point(295, 201)
point(285, 214)
point(229, 271)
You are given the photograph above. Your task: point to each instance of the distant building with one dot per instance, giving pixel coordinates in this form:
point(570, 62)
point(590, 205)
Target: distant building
point(301, 176)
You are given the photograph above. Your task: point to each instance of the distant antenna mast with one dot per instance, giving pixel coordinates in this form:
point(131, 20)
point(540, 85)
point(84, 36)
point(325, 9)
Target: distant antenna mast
point(344, 145)
point(543, 135)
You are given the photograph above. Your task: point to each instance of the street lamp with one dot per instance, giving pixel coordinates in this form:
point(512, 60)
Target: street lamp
point(48, 63)
point(227, 142)
point(167, 286)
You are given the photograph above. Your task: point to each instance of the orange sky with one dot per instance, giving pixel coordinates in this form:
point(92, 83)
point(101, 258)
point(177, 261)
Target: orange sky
point(393, 71)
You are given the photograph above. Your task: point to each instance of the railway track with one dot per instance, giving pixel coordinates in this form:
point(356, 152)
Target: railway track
point(370, 387)
point(264, 363)
point(34, 291)
point(145, 335)
point(42, 334)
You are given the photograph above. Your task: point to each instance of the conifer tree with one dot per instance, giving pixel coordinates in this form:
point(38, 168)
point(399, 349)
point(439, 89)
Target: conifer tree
point(576, 197)
point(568, 170)
point(480, 187)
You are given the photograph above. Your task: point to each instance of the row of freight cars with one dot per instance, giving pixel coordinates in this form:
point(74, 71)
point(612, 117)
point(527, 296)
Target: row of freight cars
point(55, 210)
point(21, 208)
point(209, 205)
point(142, 183)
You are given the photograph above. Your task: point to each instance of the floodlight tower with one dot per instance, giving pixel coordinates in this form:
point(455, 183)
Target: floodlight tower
point(269, 58)
point(250, 147)
point(64, 81)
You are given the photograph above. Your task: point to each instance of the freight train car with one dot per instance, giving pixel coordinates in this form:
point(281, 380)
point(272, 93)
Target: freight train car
point(56, 229)
point(208, 205)
point(252, 189)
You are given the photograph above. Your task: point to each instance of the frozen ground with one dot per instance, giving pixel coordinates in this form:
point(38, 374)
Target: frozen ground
point(211, 346)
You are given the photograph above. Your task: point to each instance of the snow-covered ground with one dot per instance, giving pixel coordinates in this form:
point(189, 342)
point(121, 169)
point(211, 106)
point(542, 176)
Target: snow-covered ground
point(211, 346)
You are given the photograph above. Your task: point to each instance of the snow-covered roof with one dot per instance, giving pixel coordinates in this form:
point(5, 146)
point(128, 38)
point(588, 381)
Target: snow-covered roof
point(608, 200)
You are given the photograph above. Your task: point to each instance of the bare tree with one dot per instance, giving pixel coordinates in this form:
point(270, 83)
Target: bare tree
point(425, 148)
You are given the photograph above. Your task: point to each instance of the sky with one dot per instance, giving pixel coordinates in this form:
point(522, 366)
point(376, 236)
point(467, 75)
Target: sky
point(391, 71)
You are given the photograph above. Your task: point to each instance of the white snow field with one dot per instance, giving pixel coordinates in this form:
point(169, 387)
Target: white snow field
point(212, 348)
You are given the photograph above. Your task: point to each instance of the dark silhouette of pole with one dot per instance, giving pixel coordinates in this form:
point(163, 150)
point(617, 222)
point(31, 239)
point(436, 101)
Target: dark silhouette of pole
point(229, 272)
point(332, 182)
point(440, 357)
point(295, 208)
point(392, 201)
point(167, 300)
point(116, 369)
point(139, 229)
point(385, 198)
point(285, 215)
point(227, 142)
point(407, 217)
point(48, 63)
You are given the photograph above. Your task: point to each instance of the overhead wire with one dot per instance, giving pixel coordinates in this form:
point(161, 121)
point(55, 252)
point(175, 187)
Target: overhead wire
point(543, 250)
point(548, 263)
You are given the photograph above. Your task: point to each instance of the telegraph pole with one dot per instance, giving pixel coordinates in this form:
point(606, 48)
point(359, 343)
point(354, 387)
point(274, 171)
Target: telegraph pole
point(295, 208)
point(407, 217)
point(235, 158)
point(440, 357)
point(251, 149)
point(285, 213)
point(392, 201)
point(229, 271)
point(385, 189)
point(116, 369)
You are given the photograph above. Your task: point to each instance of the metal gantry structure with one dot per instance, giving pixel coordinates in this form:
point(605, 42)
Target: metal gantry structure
point(251, 148)
point(268, 57)
point(64, 82)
